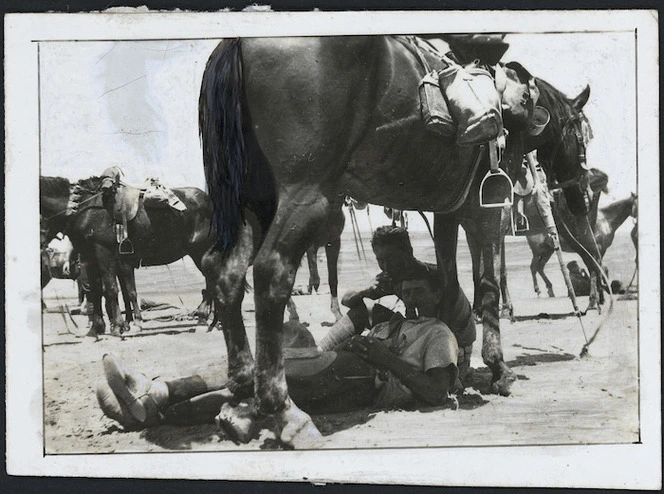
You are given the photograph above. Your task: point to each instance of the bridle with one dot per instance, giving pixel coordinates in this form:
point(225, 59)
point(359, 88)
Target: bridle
point(580, 180)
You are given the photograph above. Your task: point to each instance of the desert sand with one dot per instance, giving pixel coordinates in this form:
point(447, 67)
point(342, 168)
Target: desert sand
point(558, 398)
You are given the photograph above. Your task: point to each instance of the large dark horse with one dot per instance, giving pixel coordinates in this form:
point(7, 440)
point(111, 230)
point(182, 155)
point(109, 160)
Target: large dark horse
point(288, 126)
point(160, 236)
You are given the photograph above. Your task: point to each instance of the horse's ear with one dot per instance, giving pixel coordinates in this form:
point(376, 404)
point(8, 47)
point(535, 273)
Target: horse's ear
point(520, 70)
point(580, 101)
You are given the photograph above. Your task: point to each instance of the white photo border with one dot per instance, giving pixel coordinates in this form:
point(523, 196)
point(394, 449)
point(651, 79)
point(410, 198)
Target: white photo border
point(636, 466)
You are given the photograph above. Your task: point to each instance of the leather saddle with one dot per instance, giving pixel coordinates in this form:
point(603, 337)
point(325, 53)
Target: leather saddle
point(124, 208)
point(126, 198)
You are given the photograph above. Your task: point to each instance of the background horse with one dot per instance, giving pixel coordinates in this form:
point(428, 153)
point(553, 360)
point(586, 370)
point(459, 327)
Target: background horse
point(608, 220)
point(573, 236)
point(159, 236)
point(299, 122)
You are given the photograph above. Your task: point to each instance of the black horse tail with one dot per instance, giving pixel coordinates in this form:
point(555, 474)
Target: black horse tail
point(221, 130)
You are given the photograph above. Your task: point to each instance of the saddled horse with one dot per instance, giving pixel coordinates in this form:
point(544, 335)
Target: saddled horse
point(541, 244)
point(288, 125)
point(608, 220)
point(160, 236)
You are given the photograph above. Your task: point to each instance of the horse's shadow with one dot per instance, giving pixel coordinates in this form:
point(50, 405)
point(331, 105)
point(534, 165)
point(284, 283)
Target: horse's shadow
point(480, 379)
point(178, 437)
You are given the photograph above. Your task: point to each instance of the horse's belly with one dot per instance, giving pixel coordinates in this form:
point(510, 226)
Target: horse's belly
point(412, 169)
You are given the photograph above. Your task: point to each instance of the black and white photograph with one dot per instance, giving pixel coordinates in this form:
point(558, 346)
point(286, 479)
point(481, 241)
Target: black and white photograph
point(337, 247)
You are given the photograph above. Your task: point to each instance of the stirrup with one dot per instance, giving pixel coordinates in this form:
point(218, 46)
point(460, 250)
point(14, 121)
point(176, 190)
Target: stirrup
point(126, 247)
point(521, 225)
point(496, 188)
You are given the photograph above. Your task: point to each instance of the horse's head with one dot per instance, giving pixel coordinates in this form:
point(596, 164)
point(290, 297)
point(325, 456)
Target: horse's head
point(561, 147)
point(518, 95)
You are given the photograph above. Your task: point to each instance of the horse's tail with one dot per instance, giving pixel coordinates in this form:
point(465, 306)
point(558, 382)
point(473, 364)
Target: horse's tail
point(220, 126)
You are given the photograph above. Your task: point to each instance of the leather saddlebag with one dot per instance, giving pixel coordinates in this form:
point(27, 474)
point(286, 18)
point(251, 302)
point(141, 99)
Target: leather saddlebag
point(473, 102)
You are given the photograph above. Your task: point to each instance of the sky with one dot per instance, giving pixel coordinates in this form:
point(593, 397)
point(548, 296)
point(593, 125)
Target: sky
point(134, 104)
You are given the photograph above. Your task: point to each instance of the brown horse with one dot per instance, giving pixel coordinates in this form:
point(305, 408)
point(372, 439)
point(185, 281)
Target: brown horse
point(160, 236)
point(288, 126)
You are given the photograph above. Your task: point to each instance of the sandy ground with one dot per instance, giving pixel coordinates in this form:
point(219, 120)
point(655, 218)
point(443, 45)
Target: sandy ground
point(558, 398)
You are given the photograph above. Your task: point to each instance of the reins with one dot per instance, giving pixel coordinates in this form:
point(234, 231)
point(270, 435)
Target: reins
point(67, 208)
point(584, 350)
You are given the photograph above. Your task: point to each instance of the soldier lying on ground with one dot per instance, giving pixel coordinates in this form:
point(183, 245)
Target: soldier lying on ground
point(400, 363)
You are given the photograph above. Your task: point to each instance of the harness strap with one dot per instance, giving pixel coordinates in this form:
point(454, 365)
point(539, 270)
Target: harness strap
point(563, 185)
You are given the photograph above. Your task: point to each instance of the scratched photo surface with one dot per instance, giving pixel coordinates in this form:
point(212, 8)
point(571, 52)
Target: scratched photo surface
point(135, 105)
point(188, 193)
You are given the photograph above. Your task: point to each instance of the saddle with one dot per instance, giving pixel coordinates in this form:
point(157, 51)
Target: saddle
point(127, 198)
point(126, 201)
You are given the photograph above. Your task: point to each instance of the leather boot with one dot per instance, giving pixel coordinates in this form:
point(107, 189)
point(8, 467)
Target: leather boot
point(143, 398)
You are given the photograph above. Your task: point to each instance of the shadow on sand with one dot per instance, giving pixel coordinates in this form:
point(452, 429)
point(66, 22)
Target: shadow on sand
point(477, 384)
point(480, 379)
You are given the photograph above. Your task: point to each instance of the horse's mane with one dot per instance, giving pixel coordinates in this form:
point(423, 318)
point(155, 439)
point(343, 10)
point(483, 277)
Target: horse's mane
point(558, 104)
point(54, 186)
point(90, 184)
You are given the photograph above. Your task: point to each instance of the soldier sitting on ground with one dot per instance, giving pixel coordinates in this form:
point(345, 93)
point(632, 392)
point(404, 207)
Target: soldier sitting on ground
point(394, 254)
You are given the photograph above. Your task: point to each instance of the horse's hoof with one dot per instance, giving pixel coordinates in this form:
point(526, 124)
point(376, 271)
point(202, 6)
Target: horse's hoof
point(506, 313)
point(298, 430)
point(239, 421)
point(242, 386)
point(551, 294)
point(117, 332)
point(503, 386)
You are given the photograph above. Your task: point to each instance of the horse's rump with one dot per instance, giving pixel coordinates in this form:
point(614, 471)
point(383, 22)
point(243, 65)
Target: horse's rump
point(353, 104)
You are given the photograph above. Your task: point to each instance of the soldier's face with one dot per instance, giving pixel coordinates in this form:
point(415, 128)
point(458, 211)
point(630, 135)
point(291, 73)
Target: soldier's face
point(391, 259)
point(418, 294)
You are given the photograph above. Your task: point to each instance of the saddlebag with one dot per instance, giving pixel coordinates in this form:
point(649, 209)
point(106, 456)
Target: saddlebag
point(474, 103)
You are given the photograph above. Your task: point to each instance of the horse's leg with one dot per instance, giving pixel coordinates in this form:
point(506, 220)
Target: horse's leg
point(129, 317)
point(507, 308)
point(332, 250)
point(534, 249)
point(544, 257)
point(490, 238)
point(210, 272)
point(230, 288)
point(299, 215)
point(130, 294)
point(292, 310)
point(91, 277)
point(455, 310)
point(314, 276)
point(474, 249)
point(108, 267)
